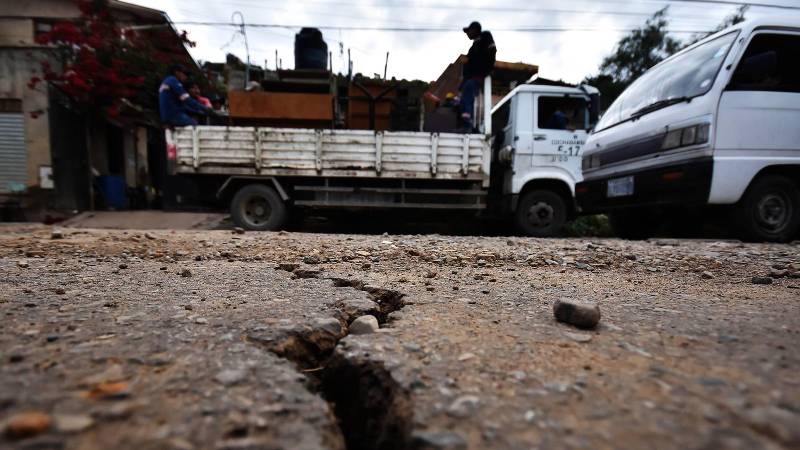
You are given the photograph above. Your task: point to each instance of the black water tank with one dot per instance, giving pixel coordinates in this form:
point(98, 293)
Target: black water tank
point(310, 51)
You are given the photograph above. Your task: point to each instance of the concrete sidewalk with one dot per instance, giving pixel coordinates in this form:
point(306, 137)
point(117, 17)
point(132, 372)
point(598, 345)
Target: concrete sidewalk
point(145, 220)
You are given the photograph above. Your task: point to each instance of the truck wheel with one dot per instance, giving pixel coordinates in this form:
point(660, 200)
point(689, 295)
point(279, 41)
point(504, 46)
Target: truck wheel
point(770, 210)
point(633, 224)
point(541, 213)
point(259, 208)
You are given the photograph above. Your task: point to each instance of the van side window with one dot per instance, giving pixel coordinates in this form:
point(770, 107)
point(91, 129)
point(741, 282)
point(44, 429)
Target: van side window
point(770, 63)
point(563, 113)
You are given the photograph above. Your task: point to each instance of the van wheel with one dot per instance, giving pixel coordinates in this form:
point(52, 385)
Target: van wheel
point(259, 208)
point(541, 213)
point(633, 224)
point(770, 210)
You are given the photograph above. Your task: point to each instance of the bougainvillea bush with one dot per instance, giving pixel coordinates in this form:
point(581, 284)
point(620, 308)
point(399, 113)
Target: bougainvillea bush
point(104, 66)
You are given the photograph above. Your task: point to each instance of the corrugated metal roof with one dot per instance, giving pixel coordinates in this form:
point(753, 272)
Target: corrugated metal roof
point(13, 156)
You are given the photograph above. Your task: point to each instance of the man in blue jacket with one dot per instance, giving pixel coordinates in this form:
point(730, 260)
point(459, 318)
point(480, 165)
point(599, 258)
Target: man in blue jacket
point(479, 65)
point(174, 103)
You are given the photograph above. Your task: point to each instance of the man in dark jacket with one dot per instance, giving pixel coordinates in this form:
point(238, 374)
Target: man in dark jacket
point(479, 65)
point(174, 103)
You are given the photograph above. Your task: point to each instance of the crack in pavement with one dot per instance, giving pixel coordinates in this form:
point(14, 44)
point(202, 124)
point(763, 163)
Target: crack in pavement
point(372, 409)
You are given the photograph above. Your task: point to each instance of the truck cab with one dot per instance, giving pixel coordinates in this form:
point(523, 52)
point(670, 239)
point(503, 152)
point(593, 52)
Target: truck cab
point(540, 132)
point(712, 128)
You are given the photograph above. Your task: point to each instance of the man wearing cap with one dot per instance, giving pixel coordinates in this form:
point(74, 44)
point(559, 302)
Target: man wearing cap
point(479, 65)
point(174, 103)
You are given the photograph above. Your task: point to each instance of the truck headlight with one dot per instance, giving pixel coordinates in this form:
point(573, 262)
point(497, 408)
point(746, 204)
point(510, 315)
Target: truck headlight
point(684, 137)
point(590, 162)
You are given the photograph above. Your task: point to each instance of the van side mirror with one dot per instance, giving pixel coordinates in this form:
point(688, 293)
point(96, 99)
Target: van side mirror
point(594, 109)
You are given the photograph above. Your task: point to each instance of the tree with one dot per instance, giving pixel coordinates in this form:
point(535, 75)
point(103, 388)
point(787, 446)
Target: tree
point(642, 49)
point(102, 66)
point(733, 19)
point(633, 56)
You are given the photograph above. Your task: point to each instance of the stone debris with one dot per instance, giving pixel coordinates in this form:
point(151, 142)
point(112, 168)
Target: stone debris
point(706, 275)
point(73, 423)
point(761, 280)
point(238, 230)
point(364, 325)
point(577, 313)
point(27, 424)
point(437, 440)
point(56, 234)
point(463, 406)
point(579, 337)
point(229, 377)
point(186, 273)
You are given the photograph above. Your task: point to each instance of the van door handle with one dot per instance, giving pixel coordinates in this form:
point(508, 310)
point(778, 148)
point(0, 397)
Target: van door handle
point(539, 137)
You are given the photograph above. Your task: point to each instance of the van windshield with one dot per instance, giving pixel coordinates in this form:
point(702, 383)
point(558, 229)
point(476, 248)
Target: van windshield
point(687, 75)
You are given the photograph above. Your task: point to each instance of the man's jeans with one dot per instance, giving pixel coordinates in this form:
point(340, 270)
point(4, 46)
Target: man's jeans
point(469, 90)
point(182, 120)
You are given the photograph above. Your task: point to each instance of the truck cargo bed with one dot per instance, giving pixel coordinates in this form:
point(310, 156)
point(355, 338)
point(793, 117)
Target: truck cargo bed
point(330, 153)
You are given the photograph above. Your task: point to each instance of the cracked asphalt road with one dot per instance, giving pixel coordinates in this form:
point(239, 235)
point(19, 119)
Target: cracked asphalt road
point(105, 337)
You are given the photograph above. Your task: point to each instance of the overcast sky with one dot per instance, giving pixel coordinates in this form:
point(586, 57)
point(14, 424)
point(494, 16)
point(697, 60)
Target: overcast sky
point(569, 55)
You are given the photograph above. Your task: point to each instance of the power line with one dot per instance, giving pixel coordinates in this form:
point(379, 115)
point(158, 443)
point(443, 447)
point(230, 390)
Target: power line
point(730, 2)
point(423, 29)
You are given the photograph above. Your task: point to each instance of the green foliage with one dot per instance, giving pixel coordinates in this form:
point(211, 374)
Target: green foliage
point(733, 19)
point(642, 49)
point(634, 54)
point(589, 226)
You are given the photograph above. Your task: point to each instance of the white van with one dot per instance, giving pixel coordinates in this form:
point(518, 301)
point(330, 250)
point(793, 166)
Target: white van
point(714, 127)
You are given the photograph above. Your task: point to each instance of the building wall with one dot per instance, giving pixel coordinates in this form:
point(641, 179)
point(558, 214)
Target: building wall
point(53, 9)
point(16, 32)
point(17, 65)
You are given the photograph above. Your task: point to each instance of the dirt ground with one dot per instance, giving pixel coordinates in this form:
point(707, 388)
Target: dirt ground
point(218, 340)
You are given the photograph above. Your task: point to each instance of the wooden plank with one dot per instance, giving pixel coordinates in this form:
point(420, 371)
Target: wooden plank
point(280, 105)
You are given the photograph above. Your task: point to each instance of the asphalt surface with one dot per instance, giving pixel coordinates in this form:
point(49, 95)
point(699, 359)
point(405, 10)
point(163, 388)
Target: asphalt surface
point(213, 339)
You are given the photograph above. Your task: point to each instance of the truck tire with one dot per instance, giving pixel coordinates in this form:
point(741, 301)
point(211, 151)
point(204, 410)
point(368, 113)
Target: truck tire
point(259, 208)
point(769, 210)
point(633, 224)
point(541, 213)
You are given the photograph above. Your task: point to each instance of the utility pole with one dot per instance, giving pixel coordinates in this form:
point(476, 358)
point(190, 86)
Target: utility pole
point(349, 65)
point(243, 31)
point(386, 65)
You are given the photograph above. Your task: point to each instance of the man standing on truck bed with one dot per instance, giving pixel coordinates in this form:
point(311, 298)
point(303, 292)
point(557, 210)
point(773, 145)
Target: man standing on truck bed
point(479, 65)
point(174, 103)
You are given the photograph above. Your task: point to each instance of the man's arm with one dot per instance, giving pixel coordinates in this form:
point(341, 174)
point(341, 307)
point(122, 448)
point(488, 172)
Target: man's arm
point(191, 105)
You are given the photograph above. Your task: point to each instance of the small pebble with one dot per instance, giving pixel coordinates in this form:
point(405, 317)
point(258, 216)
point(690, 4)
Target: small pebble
point(761, 280)
point(27, 424)
point(364, 325)
point(579, 314)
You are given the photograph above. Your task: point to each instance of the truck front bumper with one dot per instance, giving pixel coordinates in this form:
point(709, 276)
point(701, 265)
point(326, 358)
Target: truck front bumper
point(684, 184)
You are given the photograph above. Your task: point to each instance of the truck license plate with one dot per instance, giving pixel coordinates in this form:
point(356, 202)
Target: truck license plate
point(620, 187)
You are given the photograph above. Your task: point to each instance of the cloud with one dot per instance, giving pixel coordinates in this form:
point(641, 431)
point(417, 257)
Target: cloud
point(568, 55)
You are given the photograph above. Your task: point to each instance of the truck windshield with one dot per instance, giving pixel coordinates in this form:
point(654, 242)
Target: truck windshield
point(685, 76)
